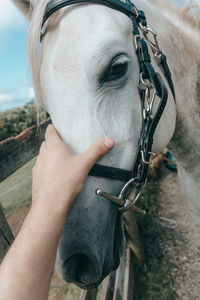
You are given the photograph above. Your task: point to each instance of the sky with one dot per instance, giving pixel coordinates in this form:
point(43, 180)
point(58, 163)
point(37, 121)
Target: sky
point(15, 83)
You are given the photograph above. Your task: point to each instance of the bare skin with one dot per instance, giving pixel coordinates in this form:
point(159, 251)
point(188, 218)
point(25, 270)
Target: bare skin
point(58, 177)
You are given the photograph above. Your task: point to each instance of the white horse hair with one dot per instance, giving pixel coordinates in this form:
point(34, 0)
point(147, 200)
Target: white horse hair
point(79, 44)
point(181, 28)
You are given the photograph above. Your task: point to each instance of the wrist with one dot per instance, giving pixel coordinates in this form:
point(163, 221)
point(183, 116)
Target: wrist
point(55, 205)
point(47, 215)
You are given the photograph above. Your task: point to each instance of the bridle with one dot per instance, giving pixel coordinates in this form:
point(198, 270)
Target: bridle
point(150, 86)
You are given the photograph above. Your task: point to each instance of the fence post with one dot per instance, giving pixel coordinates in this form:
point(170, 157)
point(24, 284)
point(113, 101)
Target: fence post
point(6, 236)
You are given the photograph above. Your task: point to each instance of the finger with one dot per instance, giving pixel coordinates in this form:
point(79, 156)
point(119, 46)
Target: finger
point(51, 134)
point(97, 150)
point(53, 139)
point(43, 147)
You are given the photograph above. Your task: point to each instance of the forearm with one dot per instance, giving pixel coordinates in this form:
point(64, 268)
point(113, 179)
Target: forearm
point(28, 266)
point(58, 177)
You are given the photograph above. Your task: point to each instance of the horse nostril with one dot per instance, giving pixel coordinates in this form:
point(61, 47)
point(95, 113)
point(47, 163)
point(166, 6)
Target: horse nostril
point(82, 269)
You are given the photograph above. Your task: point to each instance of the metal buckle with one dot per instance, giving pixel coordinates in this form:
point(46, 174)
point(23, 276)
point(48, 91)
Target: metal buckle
point(154, 45)
point(149, 99)
point(121, 200)
point(150, 96)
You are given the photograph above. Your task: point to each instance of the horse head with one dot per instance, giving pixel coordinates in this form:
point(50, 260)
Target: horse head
point(86, 78)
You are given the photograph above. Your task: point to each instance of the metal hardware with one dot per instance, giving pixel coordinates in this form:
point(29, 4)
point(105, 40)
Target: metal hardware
point(129, 206)
point(152, 153)
point(149, 99)
point(144, 83)
point(122, 200)
point(150, 95)
point(136, 38)
point(154, 45)
point(145, 161)
point(143, 157)
point(125, 203)
point(152, 102)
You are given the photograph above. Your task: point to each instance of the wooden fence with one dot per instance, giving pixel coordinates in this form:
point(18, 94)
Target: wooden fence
point(14, 153)
point(119, 285)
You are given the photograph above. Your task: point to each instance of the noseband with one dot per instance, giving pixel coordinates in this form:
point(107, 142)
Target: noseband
point(150, 86)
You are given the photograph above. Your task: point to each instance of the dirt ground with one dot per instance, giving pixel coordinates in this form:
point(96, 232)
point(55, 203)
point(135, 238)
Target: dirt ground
point(170, 234)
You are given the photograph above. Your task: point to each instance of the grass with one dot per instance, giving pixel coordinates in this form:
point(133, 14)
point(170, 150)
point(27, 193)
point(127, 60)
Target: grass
point(15, 191)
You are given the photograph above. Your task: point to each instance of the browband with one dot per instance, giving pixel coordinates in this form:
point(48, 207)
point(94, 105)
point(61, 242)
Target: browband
point(55, 5)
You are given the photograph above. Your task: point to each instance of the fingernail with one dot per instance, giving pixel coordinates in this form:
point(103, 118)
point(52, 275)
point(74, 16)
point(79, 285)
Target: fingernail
point(109, 143)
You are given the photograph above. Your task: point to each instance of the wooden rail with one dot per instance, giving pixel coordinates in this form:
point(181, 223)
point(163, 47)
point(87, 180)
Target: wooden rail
point(6, 236)
point(16, 151)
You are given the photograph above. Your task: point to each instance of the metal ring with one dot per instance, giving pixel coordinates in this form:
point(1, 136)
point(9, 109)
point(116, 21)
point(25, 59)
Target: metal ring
point(147, 85)
point(125, 188)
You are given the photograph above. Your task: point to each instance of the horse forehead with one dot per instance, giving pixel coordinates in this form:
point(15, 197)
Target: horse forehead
point(81, 20)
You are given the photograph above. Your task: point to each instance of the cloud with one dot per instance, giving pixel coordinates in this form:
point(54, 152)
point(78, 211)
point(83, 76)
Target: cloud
point(31, 93)
point(6, 98)
point(10, 16)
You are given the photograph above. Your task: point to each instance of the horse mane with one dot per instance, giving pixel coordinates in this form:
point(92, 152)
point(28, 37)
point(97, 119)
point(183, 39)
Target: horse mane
point(188, 14)
point(34, 48)
point(185, 17)
point(180, 16)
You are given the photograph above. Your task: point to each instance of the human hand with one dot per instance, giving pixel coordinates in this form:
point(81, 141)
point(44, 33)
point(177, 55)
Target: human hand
point(59, 175)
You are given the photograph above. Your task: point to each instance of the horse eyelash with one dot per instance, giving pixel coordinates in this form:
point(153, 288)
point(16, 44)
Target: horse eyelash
point(114, 61)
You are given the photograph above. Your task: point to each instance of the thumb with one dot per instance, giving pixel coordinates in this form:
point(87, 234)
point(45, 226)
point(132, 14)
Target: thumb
point(50, 132)
point(51, 135)
point(97, 150)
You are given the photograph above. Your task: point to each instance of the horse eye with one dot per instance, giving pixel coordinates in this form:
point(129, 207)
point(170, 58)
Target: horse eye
point(116, 71)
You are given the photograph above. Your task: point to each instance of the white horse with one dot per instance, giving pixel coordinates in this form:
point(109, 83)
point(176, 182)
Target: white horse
point(86, 78)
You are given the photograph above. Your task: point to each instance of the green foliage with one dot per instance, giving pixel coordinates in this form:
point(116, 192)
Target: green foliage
point(13, 121)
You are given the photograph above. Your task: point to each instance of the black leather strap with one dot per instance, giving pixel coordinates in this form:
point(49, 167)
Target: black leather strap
point(55, 5)
point(110, 172)
point(162, 62)
point(129, 9)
